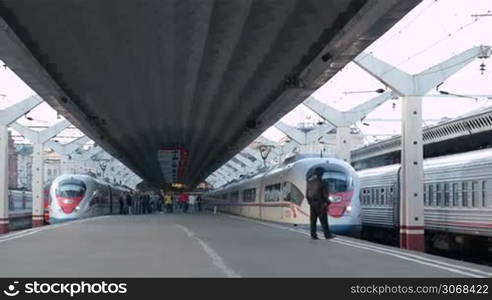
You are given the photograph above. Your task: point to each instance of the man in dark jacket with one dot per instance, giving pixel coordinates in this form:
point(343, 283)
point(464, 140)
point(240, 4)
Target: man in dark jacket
point(129, 203)
point(199, 202)
point(317, 196)
point(145, 203)
point(122, 205)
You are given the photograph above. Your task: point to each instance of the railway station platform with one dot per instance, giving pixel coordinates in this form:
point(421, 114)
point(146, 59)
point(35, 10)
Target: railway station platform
point(207, 245)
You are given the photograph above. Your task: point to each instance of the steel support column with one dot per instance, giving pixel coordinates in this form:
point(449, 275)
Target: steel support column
point(412, 176)
point(4, 179)
point(343, 144)
point(7, 117)
point(37, 186)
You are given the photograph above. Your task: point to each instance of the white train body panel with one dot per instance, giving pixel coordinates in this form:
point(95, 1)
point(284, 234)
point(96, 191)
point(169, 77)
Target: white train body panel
point(280, 196)
point(457, 194)
point(82, 196)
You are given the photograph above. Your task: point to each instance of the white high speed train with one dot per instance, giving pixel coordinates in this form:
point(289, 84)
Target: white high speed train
point(279, 194)
point(81, 196)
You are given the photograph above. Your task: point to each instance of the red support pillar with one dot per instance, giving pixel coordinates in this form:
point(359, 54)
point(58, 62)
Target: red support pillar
point(37, 220)
point(4, 179)
point(4, 225)
point(412, 176)
point(412, 238)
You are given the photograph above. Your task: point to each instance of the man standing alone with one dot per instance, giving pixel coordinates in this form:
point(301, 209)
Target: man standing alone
point(317, 197)
point(129, 203)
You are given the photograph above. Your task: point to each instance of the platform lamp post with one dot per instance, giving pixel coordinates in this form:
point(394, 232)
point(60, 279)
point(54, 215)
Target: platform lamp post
point(265, 150)
point(102, 165)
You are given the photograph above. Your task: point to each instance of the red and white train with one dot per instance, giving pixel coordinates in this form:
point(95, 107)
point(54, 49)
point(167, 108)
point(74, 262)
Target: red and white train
point(279, 194)
point(81, 196)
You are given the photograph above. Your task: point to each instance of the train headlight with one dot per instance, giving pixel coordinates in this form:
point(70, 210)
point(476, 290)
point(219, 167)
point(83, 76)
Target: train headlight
point(77, 208)
point(349, 208)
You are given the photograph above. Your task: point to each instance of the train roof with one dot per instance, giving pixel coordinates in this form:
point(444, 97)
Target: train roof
point(286, 164)
point(89, 177)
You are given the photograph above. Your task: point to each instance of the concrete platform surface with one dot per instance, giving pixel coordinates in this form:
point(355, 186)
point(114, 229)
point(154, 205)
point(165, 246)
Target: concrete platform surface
point(207, 245)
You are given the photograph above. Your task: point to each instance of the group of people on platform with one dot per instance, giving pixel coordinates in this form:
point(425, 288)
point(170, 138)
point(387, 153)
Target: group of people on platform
point(184, 201)
point(132, 203)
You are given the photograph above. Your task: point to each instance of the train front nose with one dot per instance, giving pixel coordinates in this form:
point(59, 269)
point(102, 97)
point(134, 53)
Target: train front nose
point(69, 205)
point(69, 195)
point(343, 212)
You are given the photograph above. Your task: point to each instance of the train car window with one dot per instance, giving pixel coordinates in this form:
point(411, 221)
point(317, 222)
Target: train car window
point(383, 196)
point(391, 199)
point(431, 194)
point(455, 194)
point(475, 194)
point(447, 194)
point(249, 195)
point(224, 196)
point(438, 195)
point(337, 182)
point(364, 197)
point(71, 188)
point(484, 196)
point(464, 194)
point(425, 194)
point(292, 193)
point(377, 196)
point(234, 196)
point(272, 193)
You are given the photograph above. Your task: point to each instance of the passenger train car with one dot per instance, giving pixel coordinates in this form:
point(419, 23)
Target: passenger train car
point(279, 194)
point(82, 196)
point(22, 200)
point(457, 200)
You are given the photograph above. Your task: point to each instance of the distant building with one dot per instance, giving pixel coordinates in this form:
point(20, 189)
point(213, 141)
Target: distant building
point(52, 166)
point(24, 166)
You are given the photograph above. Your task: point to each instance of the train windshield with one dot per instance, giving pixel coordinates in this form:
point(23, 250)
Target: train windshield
point(337, 181)
point(71, 188)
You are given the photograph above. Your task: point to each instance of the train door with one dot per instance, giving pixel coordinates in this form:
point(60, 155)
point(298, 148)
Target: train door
point(396, 200)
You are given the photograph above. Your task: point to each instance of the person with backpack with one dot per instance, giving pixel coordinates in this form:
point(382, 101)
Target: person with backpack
point(317, 197)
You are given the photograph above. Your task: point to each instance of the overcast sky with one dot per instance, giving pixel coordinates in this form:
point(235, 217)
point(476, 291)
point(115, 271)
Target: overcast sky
point(429, 34)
